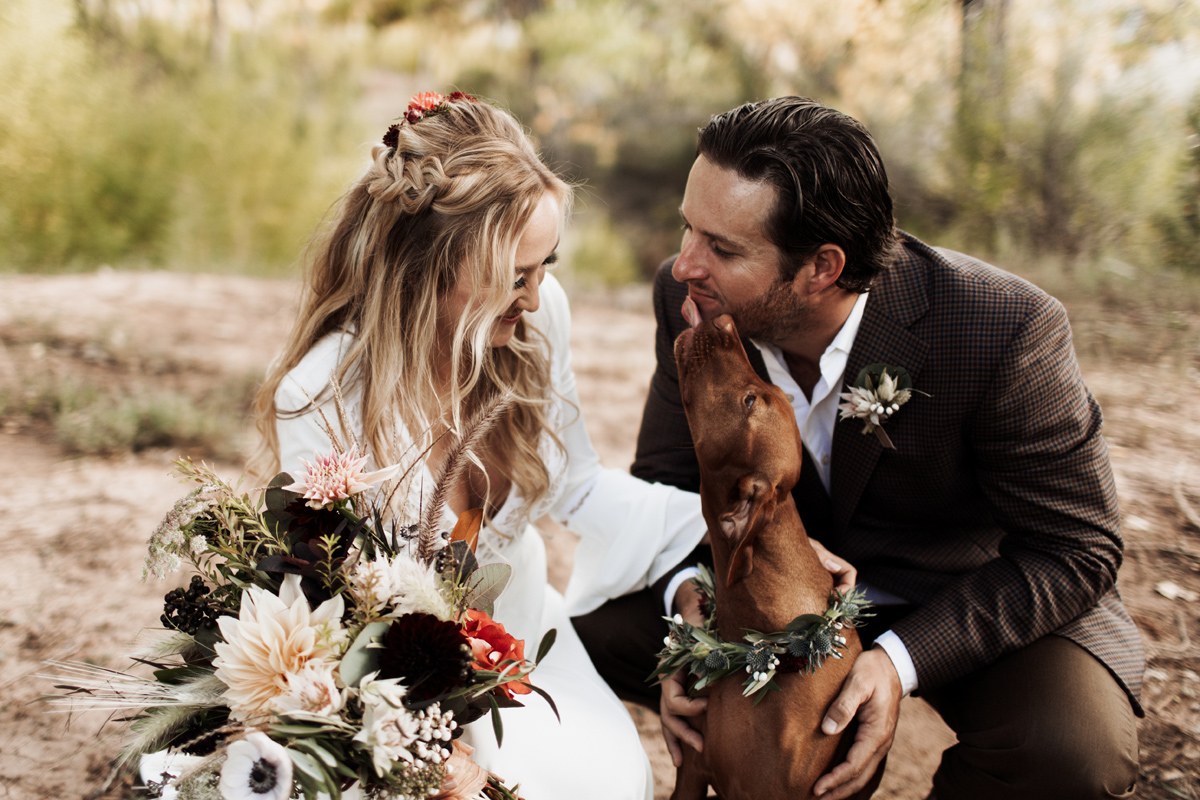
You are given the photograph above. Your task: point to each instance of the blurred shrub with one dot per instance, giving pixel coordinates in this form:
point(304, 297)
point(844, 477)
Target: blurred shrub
point(90, 417)
point(602, 254)
point(1180, 228)
point(613, 90)
point(125, 144)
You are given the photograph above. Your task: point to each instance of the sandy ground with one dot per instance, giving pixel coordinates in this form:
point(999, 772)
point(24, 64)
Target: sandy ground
point(73, 529)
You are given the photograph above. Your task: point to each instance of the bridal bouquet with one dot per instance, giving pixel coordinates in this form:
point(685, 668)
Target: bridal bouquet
point(316, 648)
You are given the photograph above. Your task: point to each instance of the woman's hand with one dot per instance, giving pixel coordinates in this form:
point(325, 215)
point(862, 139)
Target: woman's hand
point(844, 574)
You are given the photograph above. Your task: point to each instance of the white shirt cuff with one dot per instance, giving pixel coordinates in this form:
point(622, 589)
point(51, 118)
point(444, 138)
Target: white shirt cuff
point(898, 653)
point(684, 574)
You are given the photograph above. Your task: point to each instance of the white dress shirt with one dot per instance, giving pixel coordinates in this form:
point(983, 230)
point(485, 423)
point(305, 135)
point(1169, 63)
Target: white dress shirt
point(816, 418)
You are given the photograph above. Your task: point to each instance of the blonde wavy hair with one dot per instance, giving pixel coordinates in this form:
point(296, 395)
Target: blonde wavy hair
point(447, 204)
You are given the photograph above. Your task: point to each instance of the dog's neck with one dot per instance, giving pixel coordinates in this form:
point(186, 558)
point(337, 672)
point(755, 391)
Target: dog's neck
point(786, 577)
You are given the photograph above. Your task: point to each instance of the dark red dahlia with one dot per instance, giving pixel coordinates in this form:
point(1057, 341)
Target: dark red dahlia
point(392, 137)
point(430, 656)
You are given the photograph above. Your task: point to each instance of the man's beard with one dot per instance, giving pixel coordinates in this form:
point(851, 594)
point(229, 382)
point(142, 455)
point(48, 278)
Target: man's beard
point(774, 315)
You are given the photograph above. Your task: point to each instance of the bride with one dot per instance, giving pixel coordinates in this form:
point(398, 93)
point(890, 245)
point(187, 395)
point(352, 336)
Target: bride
point(426, 298)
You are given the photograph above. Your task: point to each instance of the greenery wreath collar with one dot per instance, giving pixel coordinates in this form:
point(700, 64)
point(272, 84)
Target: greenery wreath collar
point(802, 646)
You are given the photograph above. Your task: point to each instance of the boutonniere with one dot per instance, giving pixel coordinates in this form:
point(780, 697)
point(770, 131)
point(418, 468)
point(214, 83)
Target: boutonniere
point(877, 394)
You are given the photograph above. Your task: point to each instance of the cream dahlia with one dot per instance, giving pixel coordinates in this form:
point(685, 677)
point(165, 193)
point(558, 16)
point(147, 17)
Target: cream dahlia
point(271, 639)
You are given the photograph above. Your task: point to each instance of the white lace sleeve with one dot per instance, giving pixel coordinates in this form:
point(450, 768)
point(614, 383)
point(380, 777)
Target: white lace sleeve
point(631, 531)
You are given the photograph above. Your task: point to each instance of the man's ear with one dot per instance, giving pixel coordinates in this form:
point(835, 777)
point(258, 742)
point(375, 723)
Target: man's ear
point(822, 270)
point(753, 508)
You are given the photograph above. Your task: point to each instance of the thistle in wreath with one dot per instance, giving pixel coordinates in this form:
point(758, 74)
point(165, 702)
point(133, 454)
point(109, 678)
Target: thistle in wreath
point(801, 647)
point(878, 392)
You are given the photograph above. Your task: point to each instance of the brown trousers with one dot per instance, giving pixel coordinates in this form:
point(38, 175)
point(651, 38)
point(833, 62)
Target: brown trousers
point(1048, 721)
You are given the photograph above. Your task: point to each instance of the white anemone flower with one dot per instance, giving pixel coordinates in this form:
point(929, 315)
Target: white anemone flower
point(417, 589)
point(271, 639)
point(256, 768)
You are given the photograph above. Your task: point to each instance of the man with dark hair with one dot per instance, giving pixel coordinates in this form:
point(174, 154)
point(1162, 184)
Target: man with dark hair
point(981, 516)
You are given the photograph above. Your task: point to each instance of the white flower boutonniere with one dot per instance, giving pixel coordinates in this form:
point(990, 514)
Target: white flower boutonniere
point(877, 394)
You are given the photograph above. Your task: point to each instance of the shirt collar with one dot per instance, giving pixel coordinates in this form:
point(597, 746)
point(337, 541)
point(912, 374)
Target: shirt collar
point(838, 351)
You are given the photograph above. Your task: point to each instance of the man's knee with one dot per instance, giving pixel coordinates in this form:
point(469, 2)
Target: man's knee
point(1097, 758)
point(1050, 722)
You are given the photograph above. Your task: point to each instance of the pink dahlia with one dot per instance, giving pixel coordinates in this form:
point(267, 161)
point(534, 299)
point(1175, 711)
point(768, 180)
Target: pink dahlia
point(337, 477)
point(426, 101)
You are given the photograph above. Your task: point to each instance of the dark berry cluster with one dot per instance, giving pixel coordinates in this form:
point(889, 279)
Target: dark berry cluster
point(190, 610)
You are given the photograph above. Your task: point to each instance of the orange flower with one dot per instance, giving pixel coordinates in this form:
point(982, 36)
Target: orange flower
point(491, 645)
point(426, 101)
point(464, 778)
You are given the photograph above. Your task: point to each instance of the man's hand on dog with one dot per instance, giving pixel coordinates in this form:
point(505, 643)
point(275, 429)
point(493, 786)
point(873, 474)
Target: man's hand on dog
point(844, 575)
point(872, 690)
point(674, 705)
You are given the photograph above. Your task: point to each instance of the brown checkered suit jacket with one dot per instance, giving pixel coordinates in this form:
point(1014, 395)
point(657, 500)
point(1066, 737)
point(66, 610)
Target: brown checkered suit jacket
point(996, 514)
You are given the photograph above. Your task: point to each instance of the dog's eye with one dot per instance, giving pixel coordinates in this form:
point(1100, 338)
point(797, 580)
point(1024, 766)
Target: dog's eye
point(748, 401)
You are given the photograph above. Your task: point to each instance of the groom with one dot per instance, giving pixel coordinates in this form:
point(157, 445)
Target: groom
point(983, 519)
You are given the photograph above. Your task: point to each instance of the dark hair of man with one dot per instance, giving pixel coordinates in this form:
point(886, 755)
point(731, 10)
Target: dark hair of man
point(832, 185)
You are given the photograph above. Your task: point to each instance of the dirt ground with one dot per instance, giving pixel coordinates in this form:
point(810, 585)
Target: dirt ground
point(73, 529)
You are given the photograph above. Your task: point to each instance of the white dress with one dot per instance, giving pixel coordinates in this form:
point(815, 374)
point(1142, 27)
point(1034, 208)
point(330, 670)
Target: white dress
point(631, 533)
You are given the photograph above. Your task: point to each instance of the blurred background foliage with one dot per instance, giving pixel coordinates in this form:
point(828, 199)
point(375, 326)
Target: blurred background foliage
point(214, 134)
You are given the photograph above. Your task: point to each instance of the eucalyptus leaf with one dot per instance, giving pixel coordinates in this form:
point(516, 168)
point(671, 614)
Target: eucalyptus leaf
point(804, 622)
point(546, 644)
point(289, 729)
point(497, 725)
point(276, 497)
point(307, 765)
point(180, 674)
point(486, 585)
point(504, 701)
point(315, 749)
point(276, 563)
point(547, 698)
point(360, 658)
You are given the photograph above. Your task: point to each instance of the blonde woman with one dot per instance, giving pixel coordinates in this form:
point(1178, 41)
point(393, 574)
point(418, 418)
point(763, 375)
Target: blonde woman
point(427, 297)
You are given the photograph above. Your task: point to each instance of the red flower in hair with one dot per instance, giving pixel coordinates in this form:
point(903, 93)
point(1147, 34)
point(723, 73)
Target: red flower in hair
point(426, 101)
point(423, 104)
point(491, 645)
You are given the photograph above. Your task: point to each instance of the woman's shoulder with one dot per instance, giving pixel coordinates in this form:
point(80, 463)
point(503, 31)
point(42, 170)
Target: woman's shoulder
point(310, 377)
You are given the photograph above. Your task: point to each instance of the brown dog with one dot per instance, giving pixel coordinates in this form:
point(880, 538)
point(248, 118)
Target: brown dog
point(766, 574)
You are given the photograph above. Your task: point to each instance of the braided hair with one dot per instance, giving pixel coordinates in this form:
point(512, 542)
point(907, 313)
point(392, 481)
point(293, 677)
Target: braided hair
point(446, 200)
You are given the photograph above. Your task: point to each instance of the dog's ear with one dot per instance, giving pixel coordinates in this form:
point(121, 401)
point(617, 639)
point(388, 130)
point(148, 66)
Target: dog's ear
point(753, 508)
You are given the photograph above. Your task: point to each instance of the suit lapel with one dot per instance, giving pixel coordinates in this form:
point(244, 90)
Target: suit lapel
point(883, 337)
